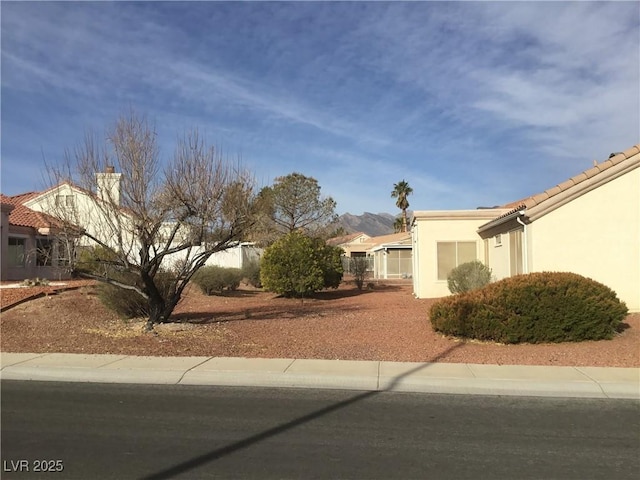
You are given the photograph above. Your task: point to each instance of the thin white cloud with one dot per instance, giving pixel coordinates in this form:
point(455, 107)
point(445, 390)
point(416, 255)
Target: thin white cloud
point(446, 94)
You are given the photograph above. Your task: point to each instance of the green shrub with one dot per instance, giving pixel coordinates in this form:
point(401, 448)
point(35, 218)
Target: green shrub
point(533, 308)
point(296, 266)
point(469, 276)
point(232, 278)
point(127, 303)
point(330, 260)
point(215, 279)
point(251, 273)
point(96, 261)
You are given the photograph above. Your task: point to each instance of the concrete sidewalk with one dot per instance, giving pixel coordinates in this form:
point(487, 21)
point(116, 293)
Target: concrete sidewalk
point(456, 378)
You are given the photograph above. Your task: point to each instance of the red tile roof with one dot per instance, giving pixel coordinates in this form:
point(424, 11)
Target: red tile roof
point(22, 216)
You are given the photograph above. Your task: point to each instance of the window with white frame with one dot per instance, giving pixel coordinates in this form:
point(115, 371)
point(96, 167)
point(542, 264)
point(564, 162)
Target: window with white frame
point(498, 240)
point(452, 254)
point(16, 251)
point(65, 201)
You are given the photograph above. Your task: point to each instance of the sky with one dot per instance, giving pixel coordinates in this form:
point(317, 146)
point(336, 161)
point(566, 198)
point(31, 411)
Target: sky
point(473, 104)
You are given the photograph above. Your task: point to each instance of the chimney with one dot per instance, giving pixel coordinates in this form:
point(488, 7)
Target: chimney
point(108, 185)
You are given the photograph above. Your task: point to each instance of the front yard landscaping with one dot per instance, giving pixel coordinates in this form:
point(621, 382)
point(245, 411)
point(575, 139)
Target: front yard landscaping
point(385, 323)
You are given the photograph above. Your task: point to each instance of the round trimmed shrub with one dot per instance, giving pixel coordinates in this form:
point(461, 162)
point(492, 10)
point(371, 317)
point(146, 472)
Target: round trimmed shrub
point(296, 265)
point(468, 276)
point(532, 308)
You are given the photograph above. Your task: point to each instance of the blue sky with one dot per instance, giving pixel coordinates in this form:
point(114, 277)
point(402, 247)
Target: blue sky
point(474, 104)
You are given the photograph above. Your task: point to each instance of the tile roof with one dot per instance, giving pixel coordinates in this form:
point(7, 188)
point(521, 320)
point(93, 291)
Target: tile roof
point(584, 178)
point(587, 174)
point(391, 238)
point(344, 239)
point(22, 216)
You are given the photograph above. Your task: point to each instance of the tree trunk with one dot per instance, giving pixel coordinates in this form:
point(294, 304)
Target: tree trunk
point(160, 310)
point(156, 312)
point(404, 219)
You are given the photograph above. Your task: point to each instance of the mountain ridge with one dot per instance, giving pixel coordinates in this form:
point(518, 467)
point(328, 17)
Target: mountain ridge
point(373, 224)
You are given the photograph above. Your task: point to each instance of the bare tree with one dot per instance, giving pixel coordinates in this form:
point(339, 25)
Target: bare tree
point(145, 223)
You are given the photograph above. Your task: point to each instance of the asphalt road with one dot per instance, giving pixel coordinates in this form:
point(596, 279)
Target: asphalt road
point(102, 431)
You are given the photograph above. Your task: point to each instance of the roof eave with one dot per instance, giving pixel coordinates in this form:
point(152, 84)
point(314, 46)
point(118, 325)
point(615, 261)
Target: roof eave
point(536, 211)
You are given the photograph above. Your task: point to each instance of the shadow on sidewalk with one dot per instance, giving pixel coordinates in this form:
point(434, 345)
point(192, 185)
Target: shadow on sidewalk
point(208, 457)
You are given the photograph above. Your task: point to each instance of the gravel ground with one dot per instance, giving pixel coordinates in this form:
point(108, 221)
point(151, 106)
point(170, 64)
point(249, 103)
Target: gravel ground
point(386, 323)
point(11, 294)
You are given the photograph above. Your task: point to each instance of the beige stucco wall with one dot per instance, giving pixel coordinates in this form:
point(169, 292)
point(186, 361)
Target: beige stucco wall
point(431, 227)
point(358, 245)
point(596, 235)
point(499, 256)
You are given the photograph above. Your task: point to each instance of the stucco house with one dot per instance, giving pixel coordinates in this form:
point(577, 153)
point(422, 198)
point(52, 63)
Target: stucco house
point(389, 255)
point(29, 230)
point(28, 245)
point(392, 256)
point(353, 244)
point(442, 240)
point(589, 224)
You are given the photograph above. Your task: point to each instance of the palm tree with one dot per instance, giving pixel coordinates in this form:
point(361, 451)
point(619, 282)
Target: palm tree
point(401, 191)
point(397, 225)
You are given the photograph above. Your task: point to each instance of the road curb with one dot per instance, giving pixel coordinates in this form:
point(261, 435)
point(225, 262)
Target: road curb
point(442, 378)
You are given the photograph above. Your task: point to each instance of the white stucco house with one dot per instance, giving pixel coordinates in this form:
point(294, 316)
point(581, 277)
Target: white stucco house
point(29, 230)
point(589, 224)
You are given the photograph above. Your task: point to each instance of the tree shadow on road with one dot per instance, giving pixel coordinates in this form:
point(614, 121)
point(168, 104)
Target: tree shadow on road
point(200, 460)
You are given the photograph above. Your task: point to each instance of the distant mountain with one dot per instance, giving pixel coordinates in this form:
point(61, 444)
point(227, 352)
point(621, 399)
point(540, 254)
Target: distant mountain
point(373, 224)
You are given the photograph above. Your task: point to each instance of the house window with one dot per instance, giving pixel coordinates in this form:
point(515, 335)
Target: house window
point(44, 252)
point(64, 201)
point(16, 252)
point(498, 240)
point(452, 254)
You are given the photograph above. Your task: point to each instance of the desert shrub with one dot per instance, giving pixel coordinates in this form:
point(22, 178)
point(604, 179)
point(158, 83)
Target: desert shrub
point(127, 303)
point(232, 278)
point(468, 276)
point(296, 266)
point(96, 261)
point(35, 282)
point(359, 267)
point(215, 279)
point(533, 308)
point(251, 273)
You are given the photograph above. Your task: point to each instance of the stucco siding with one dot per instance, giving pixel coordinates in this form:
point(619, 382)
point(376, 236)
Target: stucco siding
point(428, 230)
point(596, 235)
point(498, 256)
